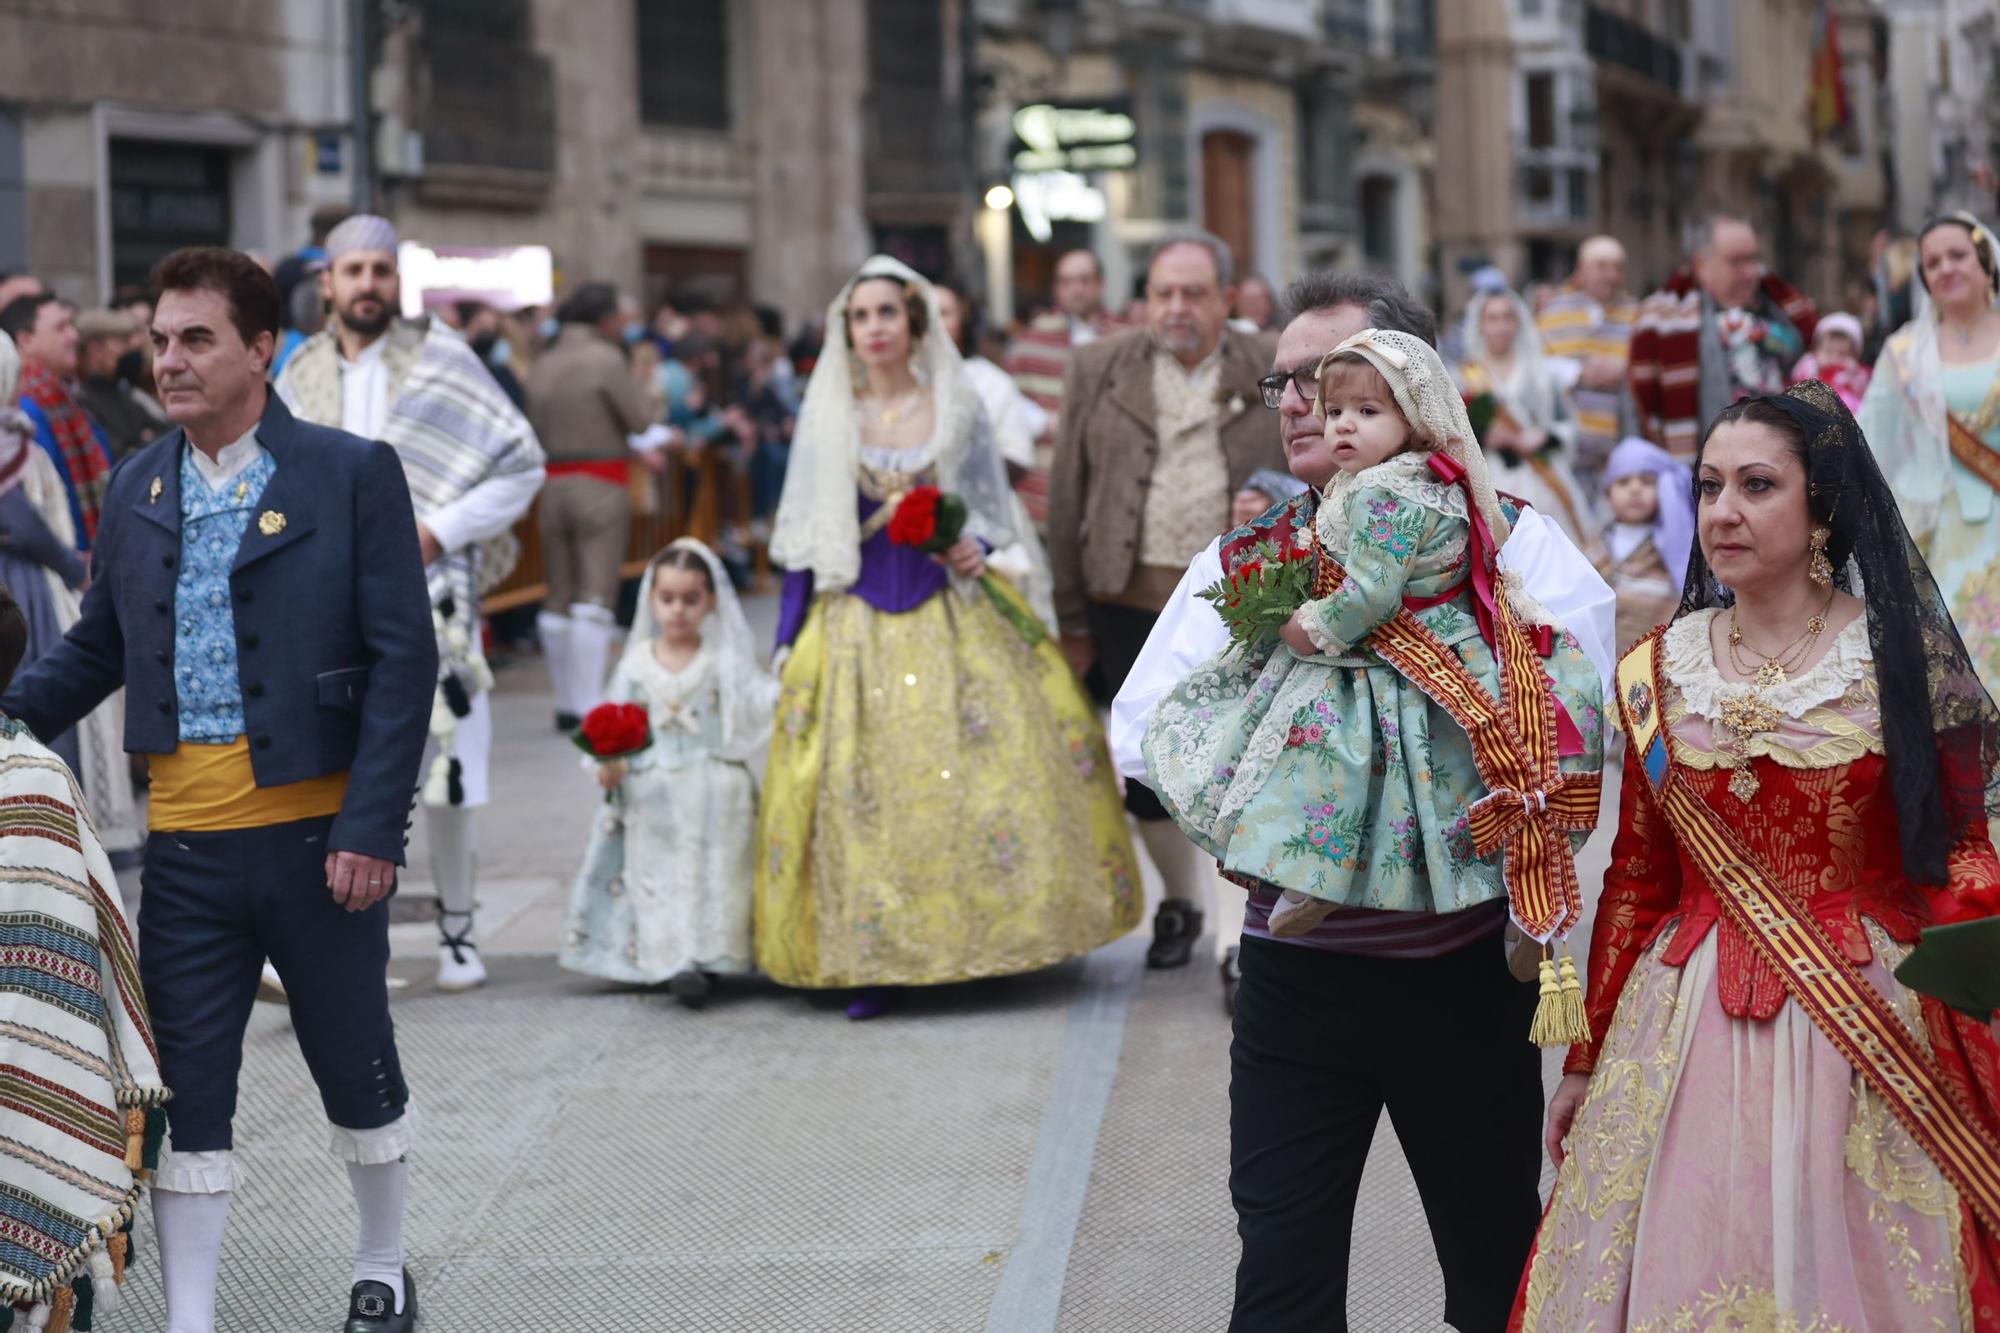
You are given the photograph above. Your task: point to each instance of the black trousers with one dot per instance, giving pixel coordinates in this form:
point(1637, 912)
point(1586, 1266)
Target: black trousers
point(1119, 633)
point(214, 906)
point(1323, 1043)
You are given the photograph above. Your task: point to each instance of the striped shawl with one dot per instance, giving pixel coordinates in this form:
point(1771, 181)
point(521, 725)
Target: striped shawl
point(1666, 356)
point(80, 1087)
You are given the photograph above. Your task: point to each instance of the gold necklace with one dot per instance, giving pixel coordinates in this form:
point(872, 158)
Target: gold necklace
point(891, 412)
point(1776, 668)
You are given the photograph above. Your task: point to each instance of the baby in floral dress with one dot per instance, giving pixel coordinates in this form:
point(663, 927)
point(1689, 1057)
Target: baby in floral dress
point(1317, 768)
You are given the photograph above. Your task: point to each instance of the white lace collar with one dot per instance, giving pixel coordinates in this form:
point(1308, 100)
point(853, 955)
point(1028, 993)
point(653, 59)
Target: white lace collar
point(1690, 666)
point(1407, 474)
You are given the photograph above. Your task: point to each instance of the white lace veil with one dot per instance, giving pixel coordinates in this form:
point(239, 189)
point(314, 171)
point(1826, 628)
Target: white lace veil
point(1916, 455)
point(749, 693)
point(1530, 391)
point(818, 526)
point(1430, 402)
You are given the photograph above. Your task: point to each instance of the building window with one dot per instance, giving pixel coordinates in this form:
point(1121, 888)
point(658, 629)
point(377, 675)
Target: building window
point(164, 196)
point(1541, 111)
point(1378, 221)
point(683, 50)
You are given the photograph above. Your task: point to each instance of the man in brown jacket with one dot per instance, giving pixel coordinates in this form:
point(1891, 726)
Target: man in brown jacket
point(1160, 428)
point(584, 405)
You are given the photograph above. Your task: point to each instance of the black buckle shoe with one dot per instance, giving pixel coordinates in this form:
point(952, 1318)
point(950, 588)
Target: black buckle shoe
point(1176, 927)
point(567, 722)
point(371, 1307)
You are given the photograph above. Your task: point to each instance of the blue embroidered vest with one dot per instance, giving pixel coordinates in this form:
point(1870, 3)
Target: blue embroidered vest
point(205, 667)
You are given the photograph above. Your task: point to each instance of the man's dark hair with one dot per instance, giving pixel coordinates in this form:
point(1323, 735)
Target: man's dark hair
point(13, 637)
point(1096, 264)
point(468, 310)
point(591, 303)
point(22, 312)
point(254, 304)
point(1388, 303)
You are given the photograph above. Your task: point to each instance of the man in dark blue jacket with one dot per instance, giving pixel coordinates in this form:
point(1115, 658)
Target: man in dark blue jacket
point(259, 592)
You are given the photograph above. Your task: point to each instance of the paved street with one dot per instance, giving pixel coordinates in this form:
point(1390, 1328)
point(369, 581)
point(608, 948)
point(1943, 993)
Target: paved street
point(1045, 1152)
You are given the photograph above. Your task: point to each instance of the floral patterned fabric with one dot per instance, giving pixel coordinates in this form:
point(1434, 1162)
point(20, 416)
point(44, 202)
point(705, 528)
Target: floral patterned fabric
point(205, 668)
point(1332, 774)
point(1963, 549)
point(939, 803)
point(1728, 1168)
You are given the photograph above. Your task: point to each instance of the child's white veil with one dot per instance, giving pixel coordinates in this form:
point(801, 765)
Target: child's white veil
point(749, 693)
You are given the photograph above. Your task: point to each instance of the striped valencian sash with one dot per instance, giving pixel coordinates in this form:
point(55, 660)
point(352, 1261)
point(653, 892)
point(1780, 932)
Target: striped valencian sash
point(1856, 1017)
point(1531, 806)
point(1972, 451)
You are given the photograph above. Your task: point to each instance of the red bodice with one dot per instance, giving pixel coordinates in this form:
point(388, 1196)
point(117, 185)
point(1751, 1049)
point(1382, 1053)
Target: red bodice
point(1828, 836)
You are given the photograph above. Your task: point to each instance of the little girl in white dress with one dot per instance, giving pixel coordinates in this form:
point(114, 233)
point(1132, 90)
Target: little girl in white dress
point(664, 893)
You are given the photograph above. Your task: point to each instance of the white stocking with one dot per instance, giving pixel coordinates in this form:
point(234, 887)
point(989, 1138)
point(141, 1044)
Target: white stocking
point(591, 631)
point(1186, 871)
point(451, 837)
point(190, 1228)
point(554, 631)
point(379, 1188)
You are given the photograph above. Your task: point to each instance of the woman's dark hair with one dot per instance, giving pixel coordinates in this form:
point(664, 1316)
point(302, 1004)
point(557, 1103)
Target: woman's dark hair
point(680, 557)
point(1940, 728)
point(1975, 231)
point(971, 319)
point(254, 304)
point(913, 302)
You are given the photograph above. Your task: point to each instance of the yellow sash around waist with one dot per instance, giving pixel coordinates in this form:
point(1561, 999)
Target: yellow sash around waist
point(212, 788)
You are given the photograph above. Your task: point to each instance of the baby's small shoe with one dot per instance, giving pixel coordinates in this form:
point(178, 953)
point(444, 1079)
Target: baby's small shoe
point(1297, 913)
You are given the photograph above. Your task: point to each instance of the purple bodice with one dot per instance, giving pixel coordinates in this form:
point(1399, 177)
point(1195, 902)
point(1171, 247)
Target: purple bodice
point(892, 579)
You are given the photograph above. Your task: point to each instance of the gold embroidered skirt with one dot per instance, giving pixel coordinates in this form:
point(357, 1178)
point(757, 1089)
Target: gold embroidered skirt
point(939, 804)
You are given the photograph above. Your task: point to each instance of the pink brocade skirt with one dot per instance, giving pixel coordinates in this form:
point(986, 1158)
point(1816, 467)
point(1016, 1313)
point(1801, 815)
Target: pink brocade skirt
point(1730, 1174)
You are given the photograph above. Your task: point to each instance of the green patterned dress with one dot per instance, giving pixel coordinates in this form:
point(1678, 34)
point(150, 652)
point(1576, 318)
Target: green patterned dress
point(1332, 774)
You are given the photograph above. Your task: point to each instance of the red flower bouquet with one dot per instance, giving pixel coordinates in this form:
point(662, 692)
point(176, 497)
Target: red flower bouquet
point(614, 731)
point(927, 519)
point(1257, 597)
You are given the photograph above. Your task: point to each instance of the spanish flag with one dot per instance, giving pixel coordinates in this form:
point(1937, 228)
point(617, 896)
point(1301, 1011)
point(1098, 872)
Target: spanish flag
point(1827, 101)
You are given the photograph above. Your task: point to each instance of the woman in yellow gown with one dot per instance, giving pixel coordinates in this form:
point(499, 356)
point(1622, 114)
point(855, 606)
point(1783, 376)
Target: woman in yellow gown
point(939, 803)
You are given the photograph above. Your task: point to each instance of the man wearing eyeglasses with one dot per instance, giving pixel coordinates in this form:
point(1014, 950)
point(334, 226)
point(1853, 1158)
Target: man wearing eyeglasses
point(1160, 428)
point(1414, 1013)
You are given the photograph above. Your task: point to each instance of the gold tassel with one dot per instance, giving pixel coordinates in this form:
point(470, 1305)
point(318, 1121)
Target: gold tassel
point(62, 1308)
point(1547, 1027)
point(135, 1138)
point(118, 1247)
point(1576, 1023)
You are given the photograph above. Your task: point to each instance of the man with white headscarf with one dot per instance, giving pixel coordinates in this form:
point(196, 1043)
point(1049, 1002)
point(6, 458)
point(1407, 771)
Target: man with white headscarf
point(474, 466)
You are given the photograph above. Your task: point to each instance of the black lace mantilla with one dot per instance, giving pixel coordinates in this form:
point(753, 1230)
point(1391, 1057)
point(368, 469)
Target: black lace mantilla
point(1940, 728)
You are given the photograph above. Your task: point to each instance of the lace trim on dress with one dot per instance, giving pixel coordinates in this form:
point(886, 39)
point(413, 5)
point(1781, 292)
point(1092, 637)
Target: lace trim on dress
point(1408, 474)
point(1690, 666)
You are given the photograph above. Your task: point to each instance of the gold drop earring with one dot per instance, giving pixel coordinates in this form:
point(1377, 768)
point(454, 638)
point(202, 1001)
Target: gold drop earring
point(1820, 571)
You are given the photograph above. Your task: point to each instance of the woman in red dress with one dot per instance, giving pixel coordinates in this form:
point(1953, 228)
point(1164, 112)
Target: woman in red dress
point(1768, 1130)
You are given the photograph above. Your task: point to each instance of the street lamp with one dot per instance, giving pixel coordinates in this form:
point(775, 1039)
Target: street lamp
point(999, 199)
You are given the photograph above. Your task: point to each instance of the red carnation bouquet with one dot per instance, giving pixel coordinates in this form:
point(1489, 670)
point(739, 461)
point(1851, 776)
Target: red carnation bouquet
point(1257, 597)
point(930, 520)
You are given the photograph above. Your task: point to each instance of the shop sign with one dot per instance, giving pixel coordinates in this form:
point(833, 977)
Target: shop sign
point(1046, 197)
point(1076, 136)
point(507, 277)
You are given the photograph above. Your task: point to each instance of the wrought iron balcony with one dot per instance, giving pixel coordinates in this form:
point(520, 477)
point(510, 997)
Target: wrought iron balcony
point(1617, 40)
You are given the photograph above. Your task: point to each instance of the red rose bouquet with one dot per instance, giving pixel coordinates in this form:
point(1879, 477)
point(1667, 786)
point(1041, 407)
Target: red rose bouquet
point(930, 520)
point(1257, 597)
point(614, 731)
point(927, 519)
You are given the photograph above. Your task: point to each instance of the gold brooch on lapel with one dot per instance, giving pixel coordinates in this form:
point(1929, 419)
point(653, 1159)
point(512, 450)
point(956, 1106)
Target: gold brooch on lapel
point(153, 495)
point(270, 522)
